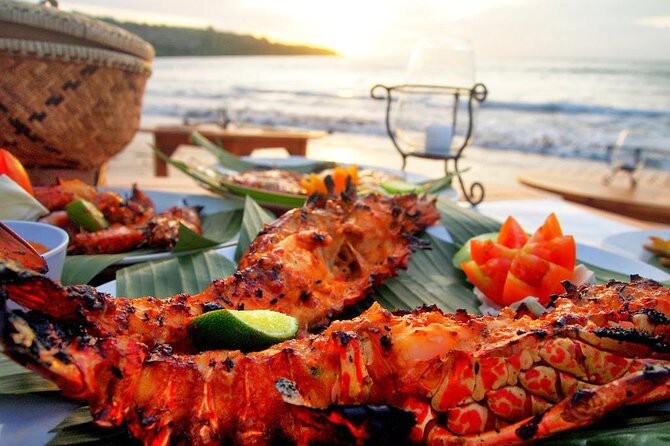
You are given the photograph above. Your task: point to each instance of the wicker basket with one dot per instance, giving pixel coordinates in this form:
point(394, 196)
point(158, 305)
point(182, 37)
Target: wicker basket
point(72, 100)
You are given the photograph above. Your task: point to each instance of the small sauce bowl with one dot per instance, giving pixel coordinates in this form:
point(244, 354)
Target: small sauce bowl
point(53, 238)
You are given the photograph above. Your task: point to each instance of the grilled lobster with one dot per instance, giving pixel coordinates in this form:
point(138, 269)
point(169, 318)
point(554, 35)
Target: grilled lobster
point(311, 263)
point(420, 377)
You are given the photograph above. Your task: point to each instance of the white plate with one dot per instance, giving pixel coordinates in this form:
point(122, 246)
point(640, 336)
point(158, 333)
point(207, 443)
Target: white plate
point(165, 200)
point(630, 243)
point(596, 256)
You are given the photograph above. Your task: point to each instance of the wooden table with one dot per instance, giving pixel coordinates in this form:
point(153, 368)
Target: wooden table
point(237, 141)
point(649, 200)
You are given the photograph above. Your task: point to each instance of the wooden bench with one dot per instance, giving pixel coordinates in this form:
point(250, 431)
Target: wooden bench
point(237, 141)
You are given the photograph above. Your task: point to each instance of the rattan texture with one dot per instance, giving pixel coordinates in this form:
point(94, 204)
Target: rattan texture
point(68, 106)
point(63, 106)
point(76, 25)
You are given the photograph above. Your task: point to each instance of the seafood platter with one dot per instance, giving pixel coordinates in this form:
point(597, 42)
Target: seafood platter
point(530, 368)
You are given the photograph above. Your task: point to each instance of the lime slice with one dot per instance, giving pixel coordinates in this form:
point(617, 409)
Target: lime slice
point(246, 330)
point(400, 187)
point(463, 254)
point(85, 215)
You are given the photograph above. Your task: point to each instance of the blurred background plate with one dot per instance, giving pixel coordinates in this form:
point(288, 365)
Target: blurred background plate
point(165, 200)
point(631, 243)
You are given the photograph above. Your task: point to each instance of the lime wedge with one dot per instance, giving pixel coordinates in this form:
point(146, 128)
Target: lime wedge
point(246, 330)
point(396, 186)
point(463, 254)
point(85, 215)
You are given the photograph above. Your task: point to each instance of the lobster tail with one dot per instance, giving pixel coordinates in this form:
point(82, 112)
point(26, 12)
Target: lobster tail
point(35, 341)
point(37, 292)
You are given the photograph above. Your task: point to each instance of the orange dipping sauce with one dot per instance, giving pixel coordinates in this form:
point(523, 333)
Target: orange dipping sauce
point(40, 248)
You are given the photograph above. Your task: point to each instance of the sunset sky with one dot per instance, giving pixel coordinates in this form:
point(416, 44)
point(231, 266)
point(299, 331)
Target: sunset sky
point(504, 28)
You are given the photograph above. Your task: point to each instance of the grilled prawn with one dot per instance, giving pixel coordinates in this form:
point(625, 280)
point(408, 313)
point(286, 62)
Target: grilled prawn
point(435, 378)
point(311, 263)
point(133, 221)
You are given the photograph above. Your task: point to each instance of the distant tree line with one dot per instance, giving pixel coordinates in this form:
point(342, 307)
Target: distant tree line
point(178, 41)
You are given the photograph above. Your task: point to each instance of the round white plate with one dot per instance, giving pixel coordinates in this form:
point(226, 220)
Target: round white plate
point(165, 200)
point(599, 257)
point(630, 243)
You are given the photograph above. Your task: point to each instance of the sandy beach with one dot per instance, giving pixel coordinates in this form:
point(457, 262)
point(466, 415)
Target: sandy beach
point(497, 170)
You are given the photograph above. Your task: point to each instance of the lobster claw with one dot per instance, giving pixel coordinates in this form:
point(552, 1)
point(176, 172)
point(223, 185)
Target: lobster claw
point(15, 249)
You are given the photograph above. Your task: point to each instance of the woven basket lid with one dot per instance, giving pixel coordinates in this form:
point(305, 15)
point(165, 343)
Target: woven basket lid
point(63, 27)
point(75, 53)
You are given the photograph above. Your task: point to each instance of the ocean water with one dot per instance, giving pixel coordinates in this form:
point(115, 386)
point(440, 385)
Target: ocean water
point(566, 108)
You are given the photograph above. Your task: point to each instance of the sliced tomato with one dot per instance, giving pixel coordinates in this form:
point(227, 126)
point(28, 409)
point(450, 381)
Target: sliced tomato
point(516, 289)
point(516, 266)
point(529, 268)
point(550, 229)
point(553, 280)
point(489, 277)
point(483, 250)
point(512, 234)
point(13, 168)
point(560, 250)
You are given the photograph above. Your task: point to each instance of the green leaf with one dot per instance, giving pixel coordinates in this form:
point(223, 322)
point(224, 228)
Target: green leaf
point(190, 240)
point(207, 178)
point(255, 217)
point(80, 415)
point(78, 428)
point(233, 162)
point(185, 274)
point(9, 367)
point(437, 185)
point(625, 427)
point(430, 279)
point(226, 159)
point(217, 228)
point(464, 223)
point(25, 382)
point(82, 268)
point(266, 197)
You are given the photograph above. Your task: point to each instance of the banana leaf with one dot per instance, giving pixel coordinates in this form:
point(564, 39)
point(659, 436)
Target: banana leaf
point(266, 197)
point(16, 380)
point(81, 269)
point(255, 217)
point(225, 158)
point(209, 179)
point(464, 223)
point(217, 228)
point(78, 429)
point(188, 274)
point(429, 279)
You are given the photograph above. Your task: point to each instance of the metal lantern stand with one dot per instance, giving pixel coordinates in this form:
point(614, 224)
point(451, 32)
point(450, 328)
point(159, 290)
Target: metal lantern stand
point(478, 93)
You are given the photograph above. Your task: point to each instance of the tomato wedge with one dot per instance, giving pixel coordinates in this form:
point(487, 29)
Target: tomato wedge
point(13, 168)
point(512, 234)
point(515, 266)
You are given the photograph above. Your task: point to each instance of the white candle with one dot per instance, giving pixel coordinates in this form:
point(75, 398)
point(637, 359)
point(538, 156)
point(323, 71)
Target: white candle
point(438, 139)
